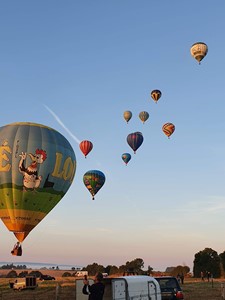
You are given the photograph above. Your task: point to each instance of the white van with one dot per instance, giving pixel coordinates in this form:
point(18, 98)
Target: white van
point(81, 273)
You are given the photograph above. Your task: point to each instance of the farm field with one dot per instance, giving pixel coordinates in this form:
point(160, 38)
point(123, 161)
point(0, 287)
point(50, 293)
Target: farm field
point(64, 289)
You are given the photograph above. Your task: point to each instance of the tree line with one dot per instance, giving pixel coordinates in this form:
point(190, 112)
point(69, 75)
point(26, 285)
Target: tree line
point(207, 260)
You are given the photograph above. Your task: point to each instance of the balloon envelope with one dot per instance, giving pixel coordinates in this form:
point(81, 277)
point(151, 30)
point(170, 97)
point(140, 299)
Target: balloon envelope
point(143, 115)
point(199, 51)
point(135, 140)
point(37, 167)
point(94, 180)
point(168, 129)
point(85, 147)
point(127, 115)
point(126, 157)
point(156, 94)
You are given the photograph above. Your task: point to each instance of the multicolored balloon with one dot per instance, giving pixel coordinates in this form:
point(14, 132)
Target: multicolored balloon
point(143, 115)
point(135, 140)
point(86, 147)
point(126, 157)
point(37, 167)
point(199, 51)
point(156, 94)
point(168, 129)
point(94, 180)
point(127, 115)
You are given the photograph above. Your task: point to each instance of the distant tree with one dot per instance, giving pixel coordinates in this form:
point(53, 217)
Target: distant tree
point(150, 269)
point(111, 270)
point(135, 265)
point(73, 268)
point(179, 270)
point(8, 266)
point(11, 274)
point(23, 274)
point(222, 261)
point(37, 274)
point(94, 268)
point(207, 260)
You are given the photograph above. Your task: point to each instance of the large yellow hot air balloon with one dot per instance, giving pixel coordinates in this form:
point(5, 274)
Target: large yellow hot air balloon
point(37, 167)
point(127, 115)
point(199, 51)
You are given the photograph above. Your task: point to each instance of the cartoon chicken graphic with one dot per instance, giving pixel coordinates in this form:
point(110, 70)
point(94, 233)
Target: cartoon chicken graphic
point(31, 180)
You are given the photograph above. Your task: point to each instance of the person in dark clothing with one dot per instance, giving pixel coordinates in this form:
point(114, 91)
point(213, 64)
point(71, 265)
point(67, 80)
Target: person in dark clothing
point(96, 290)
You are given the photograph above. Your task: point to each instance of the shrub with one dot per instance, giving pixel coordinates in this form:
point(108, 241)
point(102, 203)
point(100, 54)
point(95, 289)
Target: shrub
point(11, 274)
point(66, 274)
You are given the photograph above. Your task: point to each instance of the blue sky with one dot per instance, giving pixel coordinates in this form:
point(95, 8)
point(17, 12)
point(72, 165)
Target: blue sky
point(86, 62)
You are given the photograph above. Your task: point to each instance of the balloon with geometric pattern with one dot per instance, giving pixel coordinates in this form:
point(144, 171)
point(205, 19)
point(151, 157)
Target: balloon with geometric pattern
point(168, 129)
point(156, 94)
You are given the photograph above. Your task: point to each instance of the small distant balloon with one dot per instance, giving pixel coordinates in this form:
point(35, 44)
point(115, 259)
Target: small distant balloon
point(199, 51)
point(135, 140)
point(126, 157)
point(127, 115)
point(94, 180)
point(143, 115)
point(86, 147)
point(168, 129)
point(156, 94)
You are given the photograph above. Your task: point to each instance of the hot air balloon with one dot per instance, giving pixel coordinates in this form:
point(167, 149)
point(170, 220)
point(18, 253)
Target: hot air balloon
point(126, 157)
point(168, 129)
point(127, 115)
point(156, 94)
point(86, 147)
point(37, 167)
point(143, 115)
point(199, 51)
point(94, 180)
point(135, 140)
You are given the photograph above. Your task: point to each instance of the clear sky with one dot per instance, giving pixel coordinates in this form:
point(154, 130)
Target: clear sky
point(76, 66)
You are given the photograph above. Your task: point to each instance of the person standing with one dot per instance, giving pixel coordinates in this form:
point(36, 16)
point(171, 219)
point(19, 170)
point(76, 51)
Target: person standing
point(96, 290)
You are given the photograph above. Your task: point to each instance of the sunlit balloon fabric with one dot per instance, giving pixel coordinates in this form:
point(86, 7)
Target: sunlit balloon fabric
point(94, 180)
point(127, 115)
point(168, 129)
point(143, 116)
point(37, 167)
point(199, 51)
point(156, 94)
point(135, 140)
point(126, 157)
point(86, 147)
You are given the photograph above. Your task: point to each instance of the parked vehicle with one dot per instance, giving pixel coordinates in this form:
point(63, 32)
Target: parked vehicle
point(170, 288)
point(125, 287)
point(81, 273)
point(46, 277)
point(29, 283)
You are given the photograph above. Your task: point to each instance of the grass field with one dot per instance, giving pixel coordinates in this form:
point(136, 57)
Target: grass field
point(47, 290)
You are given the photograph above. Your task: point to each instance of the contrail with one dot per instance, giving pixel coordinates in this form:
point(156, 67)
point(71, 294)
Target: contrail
point(61, 123)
